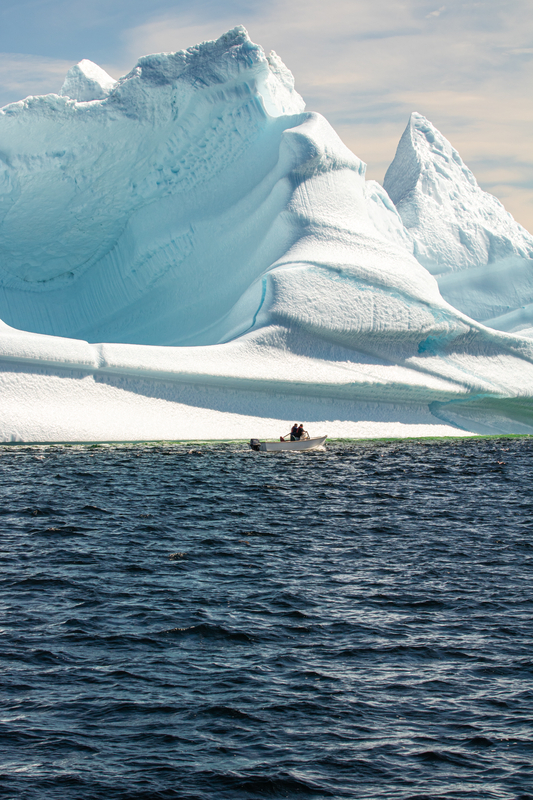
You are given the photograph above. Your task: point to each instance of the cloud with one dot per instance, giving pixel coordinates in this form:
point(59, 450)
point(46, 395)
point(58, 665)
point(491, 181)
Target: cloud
point(22, 75)
point(436, 13)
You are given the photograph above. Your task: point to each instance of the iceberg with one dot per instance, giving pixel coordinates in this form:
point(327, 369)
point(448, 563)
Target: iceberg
point(187, 253)
point(482, 258)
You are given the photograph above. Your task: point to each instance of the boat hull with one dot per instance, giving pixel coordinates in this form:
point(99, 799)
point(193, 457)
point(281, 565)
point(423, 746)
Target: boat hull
point(302, 444)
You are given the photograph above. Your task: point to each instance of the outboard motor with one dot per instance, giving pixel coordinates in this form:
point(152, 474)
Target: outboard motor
point(255, 444)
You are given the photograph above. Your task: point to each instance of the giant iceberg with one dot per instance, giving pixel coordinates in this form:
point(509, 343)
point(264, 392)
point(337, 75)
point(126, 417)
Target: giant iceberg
point(187, 253)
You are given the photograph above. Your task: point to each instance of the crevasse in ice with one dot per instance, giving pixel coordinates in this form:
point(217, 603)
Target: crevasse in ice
point(188, 253)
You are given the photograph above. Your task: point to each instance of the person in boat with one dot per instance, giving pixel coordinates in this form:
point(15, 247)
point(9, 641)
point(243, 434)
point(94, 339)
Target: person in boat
point(294, 433)
point(300, 431)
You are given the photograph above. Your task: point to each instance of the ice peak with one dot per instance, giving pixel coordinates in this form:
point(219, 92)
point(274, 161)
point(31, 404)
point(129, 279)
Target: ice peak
point(482, 258)
point(432, 145)
point(232, 63)
point(424, 154)
point(87, 81)
point(237, 35)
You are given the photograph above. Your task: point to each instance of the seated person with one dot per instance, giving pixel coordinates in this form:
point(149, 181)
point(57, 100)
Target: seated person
point(300, 431)
point(294, 432)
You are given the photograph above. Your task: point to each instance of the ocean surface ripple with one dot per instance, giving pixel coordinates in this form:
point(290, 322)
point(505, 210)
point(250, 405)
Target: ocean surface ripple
point(201, 621)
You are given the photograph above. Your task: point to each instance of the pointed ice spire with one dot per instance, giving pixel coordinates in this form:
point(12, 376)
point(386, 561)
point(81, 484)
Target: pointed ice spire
point(423, 154)
point(87, 81)
point(453, 222)
point(482, 257)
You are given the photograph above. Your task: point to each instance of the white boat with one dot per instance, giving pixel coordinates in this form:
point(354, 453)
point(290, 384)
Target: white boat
point(298, 444)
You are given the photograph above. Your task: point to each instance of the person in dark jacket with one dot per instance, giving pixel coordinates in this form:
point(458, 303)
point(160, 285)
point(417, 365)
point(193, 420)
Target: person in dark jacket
point(300, 432)
point(294, 432)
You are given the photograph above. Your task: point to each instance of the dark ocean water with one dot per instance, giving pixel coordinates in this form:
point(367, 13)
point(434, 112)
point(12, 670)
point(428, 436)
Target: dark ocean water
point(207, 622)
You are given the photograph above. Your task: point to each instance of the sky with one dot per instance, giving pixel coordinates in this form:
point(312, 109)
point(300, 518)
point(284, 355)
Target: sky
point(363, 64)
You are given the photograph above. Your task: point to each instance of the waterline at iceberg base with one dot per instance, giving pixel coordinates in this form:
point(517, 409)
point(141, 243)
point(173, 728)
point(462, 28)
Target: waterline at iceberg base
point(187, 254)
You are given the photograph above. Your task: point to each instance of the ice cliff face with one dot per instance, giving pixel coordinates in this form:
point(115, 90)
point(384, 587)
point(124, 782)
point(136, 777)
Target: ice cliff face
point(120, 202)
point(482, 258)
point(222, 252)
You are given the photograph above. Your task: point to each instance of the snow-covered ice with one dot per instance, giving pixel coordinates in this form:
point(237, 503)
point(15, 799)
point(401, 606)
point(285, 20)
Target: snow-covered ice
point(87, 81)
point(482, 257)
point(187, 253)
